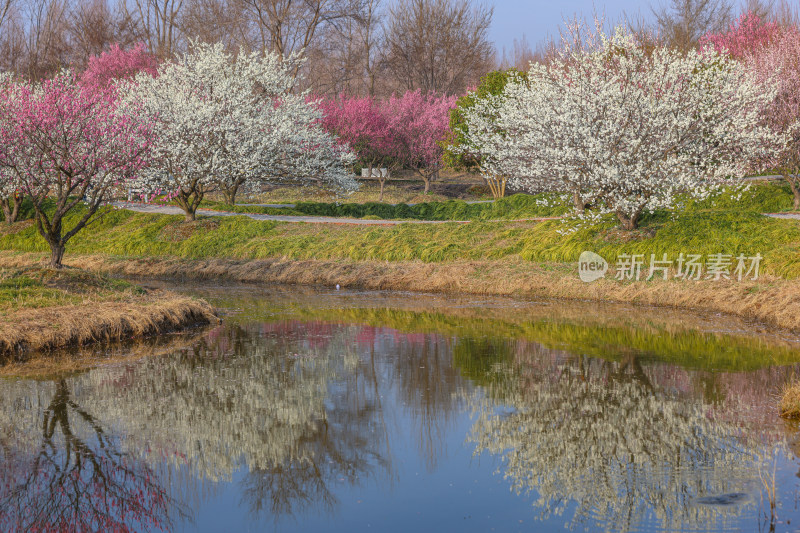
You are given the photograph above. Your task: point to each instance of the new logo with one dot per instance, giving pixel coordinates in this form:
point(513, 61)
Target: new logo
point(591, 267)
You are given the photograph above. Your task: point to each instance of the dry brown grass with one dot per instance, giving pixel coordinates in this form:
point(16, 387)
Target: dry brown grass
point(770, 300)
point(56, 327)
point(790, 401)
point(44, 309)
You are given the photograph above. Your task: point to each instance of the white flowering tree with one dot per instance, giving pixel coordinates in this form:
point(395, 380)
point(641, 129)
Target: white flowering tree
point(10, 195)
point(624, 126)
point(222, 122)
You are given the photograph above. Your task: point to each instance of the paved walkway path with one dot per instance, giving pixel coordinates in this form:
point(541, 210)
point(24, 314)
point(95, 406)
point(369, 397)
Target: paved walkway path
point(292, 206)
point(792, 216)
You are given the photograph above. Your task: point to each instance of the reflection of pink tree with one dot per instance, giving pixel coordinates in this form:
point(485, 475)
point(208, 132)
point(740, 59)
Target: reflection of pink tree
point(314, 334)
point(77, 483)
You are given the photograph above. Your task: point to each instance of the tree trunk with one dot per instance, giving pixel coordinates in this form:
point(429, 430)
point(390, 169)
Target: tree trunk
point(629, 222)
point(56, 254)
point(795, 189)
point(383, 181)
point(580, 205)
point(497, 186)
point(229, 193)
point(11, 208)
point(427, 181)
point(189, 202)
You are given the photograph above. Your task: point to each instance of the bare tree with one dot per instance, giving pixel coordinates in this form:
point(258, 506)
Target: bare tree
point(92, 30)
point(12, 41)
point(372, 39)
point(438, 45)
point(522, 54)
point(787, 13)
point(45, 27)
point(5, 10)
point(764, 9)
point(348, 54)
point(158, 20)
point(681, 23)
point(289, 26)
point(214, 21)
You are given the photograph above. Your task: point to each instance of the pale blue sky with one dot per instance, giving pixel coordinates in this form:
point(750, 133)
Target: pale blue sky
point(537, 19)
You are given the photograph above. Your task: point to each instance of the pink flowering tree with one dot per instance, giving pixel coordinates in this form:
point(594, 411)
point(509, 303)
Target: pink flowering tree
point(744, 37)
point(117, 64)
point(361, 124)
point(778, 66)
point(419, 125)
point(67, 146)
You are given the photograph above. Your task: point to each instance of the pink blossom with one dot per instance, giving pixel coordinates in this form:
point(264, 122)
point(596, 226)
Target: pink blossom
point(67, 143)
point(117, 64)
point(745, 36)
point(419, 125)
point(360, 123)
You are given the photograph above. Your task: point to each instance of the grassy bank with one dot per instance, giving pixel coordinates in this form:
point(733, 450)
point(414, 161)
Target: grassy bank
point(42, 309)
point(126, 234)
point(770, 300)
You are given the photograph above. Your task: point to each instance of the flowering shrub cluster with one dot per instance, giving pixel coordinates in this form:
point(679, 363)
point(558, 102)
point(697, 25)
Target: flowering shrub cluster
point(69, 144)
point(223, 122)
point(407, 130)
point(209, 121)
point(624, 128)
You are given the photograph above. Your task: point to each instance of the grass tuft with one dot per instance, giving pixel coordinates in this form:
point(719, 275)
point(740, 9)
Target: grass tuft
point(790, 401)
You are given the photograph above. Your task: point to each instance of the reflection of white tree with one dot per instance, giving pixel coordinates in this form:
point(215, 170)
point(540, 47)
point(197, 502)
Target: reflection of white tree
point(289, 408)
point(281, 400)
point(598, 434)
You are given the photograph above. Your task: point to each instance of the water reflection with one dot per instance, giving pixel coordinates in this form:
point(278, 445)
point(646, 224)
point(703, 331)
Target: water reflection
point(289, 402)
point(71, 474)
point(296, 408)
point(619, 441)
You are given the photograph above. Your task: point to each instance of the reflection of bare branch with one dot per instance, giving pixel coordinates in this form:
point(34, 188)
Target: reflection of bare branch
point(429, 384)
point(79, 483)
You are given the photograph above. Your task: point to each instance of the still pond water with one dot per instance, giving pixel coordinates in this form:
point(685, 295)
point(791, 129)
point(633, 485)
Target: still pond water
point(354, 411)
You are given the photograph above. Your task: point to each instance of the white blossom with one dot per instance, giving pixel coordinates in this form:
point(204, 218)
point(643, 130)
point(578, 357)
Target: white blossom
point(222, 122)
point(622, 127)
